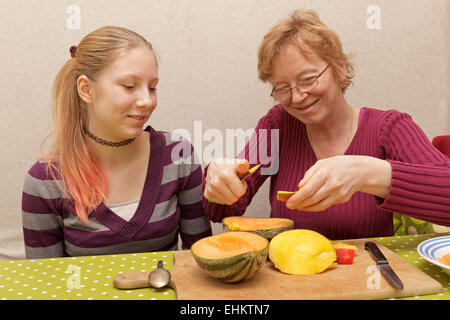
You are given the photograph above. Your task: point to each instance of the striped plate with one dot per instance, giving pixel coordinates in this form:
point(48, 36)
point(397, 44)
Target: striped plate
point(433, 249)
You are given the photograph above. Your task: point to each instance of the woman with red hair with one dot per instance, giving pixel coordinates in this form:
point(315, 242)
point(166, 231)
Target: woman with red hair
point(349, 167)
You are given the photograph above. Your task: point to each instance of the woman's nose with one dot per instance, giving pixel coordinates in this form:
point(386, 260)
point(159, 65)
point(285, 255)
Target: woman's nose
point(297, 95)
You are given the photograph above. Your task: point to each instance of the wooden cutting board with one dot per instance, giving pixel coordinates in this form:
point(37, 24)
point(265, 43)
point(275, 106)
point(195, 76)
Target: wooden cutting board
point(361, 280)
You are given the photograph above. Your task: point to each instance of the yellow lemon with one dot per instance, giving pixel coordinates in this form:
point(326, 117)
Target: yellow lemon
point(301, 252)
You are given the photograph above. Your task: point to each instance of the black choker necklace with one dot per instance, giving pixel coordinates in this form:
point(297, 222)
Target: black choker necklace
point(109, 143)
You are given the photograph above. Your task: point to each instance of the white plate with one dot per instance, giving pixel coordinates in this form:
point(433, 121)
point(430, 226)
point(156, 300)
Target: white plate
point(435, 248)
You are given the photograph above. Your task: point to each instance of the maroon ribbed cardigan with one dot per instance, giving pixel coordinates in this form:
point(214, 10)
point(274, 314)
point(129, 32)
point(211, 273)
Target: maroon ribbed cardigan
point(420, 176)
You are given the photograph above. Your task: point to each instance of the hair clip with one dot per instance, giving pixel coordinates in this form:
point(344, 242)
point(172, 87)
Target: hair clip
point(72, 50)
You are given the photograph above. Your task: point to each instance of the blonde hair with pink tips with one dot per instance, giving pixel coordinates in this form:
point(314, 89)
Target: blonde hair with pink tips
point(82, 177)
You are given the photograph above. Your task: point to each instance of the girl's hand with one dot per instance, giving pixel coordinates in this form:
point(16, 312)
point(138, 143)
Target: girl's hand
point(334, 180)
point(223, 185)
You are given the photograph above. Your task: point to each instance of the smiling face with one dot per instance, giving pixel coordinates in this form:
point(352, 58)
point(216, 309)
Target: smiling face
point(123, 97)
point(314, 106)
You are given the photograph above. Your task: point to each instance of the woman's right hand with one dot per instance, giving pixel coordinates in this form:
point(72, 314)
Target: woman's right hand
point(223, 185)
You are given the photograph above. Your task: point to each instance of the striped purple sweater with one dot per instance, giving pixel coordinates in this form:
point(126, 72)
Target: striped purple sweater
point(170, 205)
point(420, 176)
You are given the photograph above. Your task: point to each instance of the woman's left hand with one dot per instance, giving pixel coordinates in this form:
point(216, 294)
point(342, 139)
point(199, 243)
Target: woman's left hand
point(334, 180)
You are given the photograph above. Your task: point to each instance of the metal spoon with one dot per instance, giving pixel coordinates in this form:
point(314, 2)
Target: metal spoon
point(159, 277)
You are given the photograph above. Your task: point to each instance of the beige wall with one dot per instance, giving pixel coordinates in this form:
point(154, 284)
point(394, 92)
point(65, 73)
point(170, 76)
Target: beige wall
point(208, 68)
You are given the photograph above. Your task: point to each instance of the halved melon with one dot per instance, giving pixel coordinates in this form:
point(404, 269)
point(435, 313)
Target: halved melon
point(231, 256)
point(266, 227)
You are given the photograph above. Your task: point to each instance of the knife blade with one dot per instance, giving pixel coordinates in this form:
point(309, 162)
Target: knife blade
point(383, 265)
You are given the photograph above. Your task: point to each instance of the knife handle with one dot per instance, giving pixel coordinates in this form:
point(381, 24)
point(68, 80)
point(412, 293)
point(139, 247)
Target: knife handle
point(131, 280)
point(136, 280)
point(375, 252)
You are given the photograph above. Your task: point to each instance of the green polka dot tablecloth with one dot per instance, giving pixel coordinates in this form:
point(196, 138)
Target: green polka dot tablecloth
point(80, 278)
point(406, 247)
point(91, 277)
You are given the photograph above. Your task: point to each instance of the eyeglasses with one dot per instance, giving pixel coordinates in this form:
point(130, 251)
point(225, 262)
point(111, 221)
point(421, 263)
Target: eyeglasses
point(303, 85)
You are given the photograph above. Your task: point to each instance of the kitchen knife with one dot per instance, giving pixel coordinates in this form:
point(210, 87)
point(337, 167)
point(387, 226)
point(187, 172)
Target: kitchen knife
point(383, 265)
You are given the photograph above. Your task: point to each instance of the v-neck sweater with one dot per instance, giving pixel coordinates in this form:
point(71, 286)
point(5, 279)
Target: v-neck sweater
point(169, 207)
point(420, 185)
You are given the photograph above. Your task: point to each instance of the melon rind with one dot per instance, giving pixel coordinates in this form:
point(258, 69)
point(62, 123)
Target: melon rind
point(266, 233)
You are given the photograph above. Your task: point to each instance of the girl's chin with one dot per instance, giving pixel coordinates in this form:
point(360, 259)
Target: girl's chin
point(131, 133)
point(136, 133)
